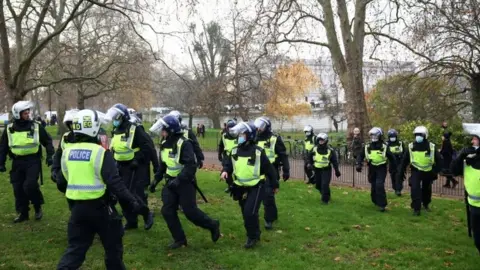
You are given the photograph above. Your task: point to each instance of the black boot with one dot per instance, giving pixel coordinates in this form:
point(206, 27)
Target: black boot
point(148, 221)
point(398, 193)
point(251, 243)
point(416, 213)
point(178, 244)
point(268, 225)
point(427, 208)
point(38, 212)
point(21, 218)
point(382, 209)
point(215, 231)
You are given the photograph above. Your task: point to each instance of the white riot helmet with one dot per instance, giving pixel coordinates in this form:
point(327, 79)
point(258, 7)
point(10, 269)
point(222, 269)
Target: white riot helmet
point(69, 115)
point(86, 122)
point(472, 129)
point(134, 119)
point(422, 131)
point(375, 134)
point(322, 138)
point(308, 130)
point(19, 107)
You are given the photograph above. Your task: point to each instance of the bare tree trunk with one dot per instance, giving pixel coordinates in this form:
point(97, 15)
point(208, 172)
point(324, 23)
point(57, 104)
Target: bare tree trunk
point(357, 115)
point(190, 120)
point(80, 100)
point(215, 119)
point(475, 89)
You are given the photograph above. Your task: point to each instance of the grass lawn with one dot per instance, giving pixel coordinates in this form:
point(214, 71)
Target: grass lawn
point(347, 234)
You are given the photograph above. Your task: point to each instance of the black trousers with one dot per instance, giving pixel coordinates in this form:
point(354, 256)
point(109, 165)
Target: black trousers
point(421, 189)
point(185, 196)
point(269, 204)
point(249, 199)
point(475, 223)
point(86, 220)
point(24, 178)
point(322, 183)
point(308, 173)
point(376, 178)
point(135, 181)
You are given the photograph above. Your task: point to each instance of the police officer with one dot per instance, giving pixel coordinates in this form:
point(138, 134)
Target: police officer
point(228, 141)
point(248, 164)
point(321, 159)
point(425, 163)
point(88, 175)
point(188, 133)
point(67, 138)
point(468, 164)
point(277, 154)
point(377, 154)
point(397, 148)
point(22, 140)
point(132, 149)
point(178, 167)
point(153, 158)
point(309, 143)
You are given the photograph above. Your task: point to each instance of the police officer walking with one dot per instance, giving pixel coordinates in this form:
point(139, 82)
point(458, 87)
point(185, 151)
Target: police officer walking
point(227, 143)
point(249, 166)
point(277, 154)
point(376, 153)
point(132, 149)
point(397, 148)
point(425, 162)
point(88, 175)
point(468, 164)
point(22, 141)
point(323, 158)
point(188, 133)
point(178, 167)
point(309, 143)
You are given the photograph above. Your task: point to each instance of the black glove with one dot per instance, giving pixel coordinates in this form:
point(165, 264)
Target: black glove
point(200, 164)
point(49, 161)
point(220, 157)
point(136, 207)
point(358, 169)
point(309, 166)
point(337, 173)
point(286, 176)
point(2, 168)
point(133, 164)
point(158, 176)
point(53, 176)
point(153, 185)
point(173, 183)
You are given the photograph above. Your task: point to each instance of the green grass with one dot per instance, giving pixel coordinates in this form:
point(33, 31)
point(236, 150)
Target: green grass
point(347, 234)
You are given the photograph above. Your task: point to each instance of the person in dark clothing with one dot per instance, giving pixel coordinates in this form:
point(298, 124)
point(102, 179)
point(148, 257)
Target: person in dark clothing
point(227, 143)
point(447, 154)
point(188, 133)
point(177, 166)
point(22, 140)
point(241, 165)
point(132, 150)
point(377, 154)
point(467, 164)
point(92, 209)
point(322, 158)
point(425, 163)
point(277, 154)
point(356, 146)
point(153, 157)
point(308, 143)
point(398, 149)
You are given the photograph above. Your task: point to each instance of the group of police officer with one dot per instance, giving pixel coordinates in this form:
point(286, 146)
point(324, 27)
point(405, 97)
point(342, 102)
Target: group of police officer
point(94, 178)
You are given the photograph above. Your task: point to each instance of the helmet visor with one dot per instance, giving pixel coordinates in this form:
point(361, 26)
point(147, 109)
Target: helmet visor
point(114, 114)
point(260, 124)
point(239, 128)
point(158, 126)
